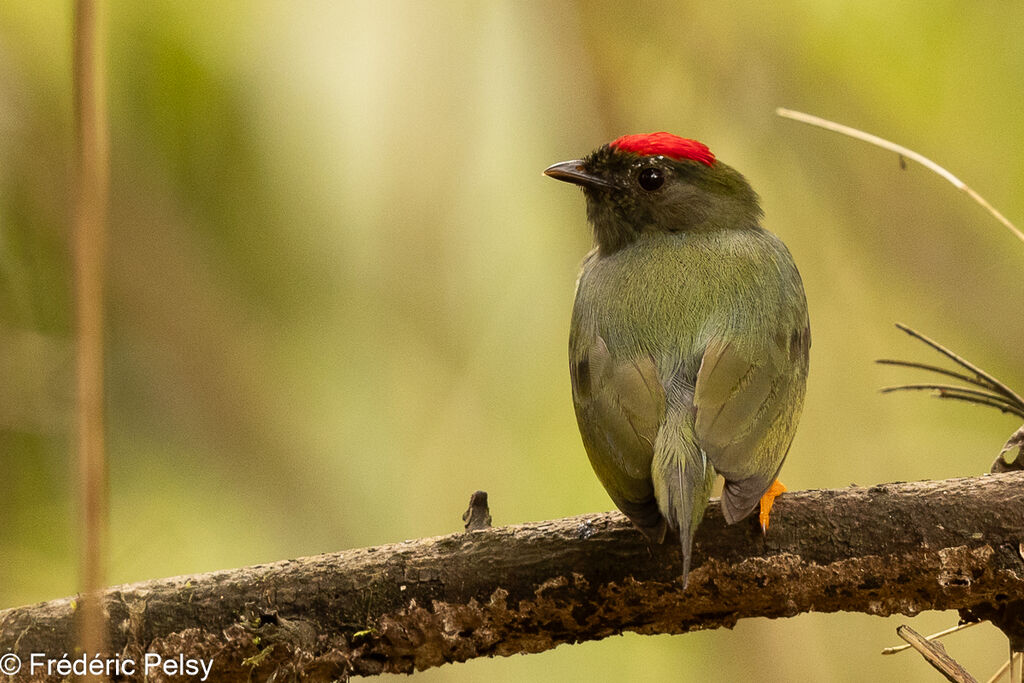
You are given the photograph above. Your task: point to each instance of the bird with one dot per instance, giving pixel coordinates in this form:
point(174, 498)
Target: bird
point(689, 340)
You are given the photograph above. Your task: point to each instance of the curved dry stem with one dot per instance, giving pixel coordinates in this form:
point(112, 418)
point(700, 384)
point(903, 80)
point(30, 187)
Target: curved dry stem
point(905, 153)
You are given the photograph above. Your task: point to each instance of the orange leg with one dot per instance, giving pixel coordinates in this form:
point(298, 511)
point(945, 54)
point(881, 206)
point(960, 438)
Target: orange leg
point(767, 500)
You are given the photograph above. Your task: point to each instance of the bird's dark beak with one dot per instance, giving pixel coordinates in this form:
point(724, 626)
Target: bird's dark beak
point(575, 172)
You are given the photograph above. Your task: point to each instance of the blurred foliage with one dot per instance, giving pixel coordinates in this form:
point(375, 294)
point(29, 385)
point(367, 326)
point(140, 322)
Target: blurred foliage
point(340, 287)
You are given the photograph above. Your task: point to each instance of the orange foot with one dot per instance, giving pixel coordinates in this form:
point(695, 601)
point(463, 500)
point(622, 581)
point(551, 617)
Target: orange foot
point(767, 500)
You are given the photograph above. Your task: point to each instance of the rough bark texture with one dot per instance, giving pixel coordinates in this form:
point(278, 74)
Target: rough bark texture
point(895, 548)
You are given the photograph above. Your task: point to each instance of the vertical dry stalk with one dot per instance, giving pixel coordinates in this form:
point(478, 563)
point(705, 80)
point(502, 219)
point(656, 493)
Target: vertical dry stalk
point(89, 236)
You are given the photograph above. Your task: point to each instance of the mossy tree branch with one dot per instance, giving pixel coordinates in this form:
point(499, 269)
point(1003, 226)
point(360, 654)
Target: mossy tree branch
point(896, 548)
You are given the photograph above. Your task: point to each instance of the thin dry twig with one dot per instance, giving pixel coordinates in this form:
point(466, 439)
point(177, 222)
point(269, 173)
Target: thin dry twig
point(930, 368)
point(1012, 664)
point(904, 154)
point(935, 636)
point(989, 392)
point(936, 655)
point(998, 405)
point(949, 387)
point(983, 378)
point(961, 394)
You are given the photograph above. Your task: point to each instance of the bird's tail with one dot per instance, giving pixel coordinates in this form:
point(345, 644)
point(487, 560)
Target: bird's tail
point(683, 478)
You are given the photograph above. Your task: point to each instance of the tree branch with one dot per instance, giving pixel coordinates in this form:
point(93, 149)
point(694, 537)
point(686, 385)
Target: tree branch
point(895, 548)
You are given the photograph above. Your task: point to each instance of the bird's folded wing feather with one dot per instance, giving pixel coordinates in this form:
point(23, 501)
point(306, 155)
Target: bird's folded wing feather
point(738, 400)
point(621, 405)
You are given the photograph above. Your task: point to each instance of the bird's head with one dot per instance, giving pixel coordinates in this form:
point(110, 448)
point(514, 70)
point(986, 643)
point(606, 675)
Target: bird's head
point(658, 182)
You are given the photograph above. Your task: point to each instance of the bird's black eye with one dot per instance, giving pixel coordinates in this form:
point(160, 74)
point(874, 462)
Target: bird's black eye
point(651, 179)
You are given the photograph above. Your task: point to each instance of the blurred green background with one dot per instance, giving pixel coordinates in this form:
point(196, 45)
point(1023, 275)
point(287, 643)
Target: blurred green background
point(339, 287)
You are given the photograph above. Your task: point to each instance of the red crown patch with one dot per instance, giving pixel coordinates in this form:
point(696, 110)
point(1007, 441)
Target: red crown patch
point(665, 144)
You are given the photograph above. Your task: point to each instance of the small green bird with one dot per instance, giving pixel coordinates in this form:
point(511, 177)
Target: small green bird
point(688, 349)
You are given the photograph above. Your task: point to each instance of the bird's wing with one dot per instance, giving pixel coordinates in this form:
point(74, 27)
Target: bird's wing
point(745, 401)
point(620, 404)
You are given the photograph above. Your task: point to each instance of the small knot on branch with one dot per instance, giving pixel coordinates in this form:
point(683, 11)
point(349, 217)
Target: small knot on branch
point(477, 516)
